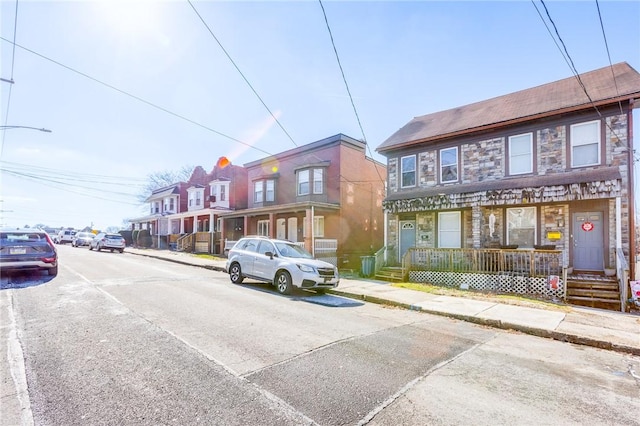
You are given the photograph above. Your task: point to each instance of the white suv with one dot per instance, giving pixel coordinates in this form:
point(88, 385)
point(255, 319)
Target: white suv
point(65, 236)
point(279, 262)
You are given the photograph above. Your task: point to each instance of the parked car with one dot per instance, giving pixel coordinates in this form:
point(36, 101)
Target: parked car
point(104, 241)
point(82, 239)
point(281, 263)
point(27, 249)
point(65, 236)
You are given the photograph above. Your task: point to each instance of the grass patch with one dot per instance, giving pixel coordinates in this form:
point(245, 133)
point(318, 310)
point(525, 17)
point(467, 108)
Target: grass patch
point(209, 256)
point(510, 299)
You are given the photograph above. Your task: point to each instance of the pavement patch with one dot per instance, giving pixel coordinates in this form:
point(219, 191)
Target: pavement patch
point(333, 301)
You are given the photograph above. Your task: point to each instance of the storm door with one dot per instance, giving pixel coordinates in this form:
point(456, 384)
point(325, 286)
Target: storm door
point(588, 241)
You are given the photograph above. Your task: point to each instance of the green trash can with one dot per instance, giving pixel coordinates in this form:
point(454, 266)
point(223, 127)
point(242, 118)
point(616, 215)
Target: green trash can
point(368, 265)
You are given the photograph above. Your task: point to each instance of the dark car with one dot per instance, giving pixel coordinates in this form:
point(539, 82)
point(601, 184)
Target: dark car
point(104, 241)
point(82, 239)
point(27, 249)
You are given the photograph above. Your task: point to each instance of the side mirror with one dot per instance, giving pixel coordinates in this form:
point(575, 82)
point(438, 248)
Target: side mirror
point(270, 254)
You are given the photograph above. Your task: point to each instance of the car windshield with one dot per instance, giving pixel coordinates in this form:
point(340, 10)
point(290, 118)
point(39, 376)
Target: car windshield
point(7, 237)
point(292, 250)
point(113, 236)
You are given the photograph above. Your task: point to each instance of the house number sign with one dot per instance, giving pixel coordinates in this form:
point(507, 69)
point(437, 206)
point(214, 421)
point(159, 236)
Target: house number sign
point(587, 226)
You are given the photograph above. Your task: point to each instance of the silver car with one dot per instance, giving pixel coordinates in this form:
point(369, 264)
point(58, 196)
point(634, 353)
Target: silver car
point(82, 239)
point(281, 263)
point(105, 241)
point(27, 250)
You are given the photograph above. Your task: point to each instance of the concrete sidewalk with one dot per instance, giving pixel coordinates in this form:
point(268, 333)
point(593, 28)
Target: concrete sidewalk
point(585, 326)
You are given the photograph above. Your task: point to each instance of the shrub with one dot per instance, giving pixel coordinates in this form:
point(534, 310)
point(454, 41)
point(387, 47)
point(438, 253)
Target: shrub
point(144, 238)
point(134, 237)
point(127, 235)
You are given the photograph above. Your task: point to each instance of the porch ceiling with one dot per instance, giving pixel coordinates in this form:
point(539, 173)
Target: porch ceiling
point(583, 176)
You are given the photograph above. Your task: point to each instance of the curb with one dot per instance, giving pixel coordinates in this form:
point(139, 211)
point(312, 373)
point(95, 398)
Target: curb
point(538, 332)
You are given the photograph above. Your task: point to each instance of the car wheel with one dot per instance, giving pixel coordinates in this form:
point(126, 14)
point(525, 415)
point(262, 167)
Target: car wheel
point(53, 271)
point(90, 247)
point(98, 247)
point(283, 282)
point(235, 273)
point(111, 250)
point(121, 250)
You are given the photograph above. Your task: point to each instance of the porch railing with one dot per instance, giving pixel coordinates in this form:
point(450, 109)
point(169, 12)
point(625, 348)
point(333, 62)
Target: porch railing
point(185, 242)
point(526, 262)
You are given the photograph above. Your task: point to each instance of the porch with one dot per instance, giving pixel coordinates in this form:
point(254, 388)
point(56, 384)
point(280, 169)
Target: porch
point(537, 272)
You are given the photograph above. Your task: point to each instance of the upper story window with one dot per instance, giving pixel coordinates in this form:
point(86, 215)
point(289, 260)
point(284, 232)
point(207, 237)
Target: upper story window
point(585, 144)
point(198, 198)
point(172, 204)
point(449, 165)
point(303, 182)
point(408, 171)
point(318, 181)
point(264, 191)
point(521, 154)
point(223, 192)
point(258, 191)
point(156, 207)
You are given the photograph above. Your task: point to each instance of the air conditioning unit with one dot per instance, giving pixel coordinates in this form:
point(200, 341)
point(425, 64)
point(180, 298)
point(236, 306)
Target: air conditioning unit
point(212, 198)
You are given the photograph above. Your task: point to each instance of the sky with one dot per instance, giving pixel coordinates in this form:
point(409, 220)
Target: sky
point(132, 88)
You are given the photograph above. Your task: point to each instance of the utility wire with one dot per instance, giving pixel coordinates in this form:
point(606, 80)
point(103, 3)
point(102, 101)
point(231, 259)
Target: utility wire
point(606, 45)
point(138, 98)
point(240, 72)
point(344, 78)
point(575, 72)
point(76, 176)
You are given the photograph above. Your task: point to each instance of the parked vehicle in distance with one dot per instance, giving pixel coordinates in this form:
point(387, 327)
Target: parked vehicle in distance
point(105, 241)
point(281, 263)
point(65, 236)
point(82, 239)
point(27, 250)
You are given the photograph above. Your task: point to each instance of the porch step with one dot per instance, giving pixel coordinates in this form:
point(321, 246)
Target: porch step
point(595, 291)
point(390, 273)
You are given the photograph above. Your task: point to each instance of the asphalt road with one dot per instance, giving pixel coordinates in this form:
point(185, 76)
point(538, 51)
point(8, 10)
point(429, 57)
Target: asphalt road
point(123, 339)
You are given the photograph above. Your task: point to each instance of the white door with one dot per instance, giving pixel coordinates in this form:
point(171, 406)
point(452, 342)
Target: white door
point(292, 229)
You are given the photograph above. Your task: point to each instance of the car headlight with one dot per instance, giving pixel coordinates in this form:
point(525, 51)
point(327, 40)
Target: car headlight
point(306, 268)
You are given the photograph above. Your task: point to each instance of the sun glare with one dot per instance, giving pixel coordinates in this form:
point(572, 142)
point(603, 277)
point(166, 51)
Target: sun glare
point(131, 17)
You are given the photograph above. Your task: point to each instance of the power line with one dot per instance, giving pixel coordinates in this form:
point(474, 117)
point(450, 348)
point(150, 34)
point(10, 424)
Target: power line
point(604, 36)
point(137, 98)
point(344, 78)
point(240, 72)
point(88, 177)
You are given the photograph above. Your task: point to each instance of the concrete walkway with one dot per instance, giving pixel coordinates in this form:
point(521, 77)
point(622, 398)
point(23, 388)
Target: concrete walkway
point(585, 326)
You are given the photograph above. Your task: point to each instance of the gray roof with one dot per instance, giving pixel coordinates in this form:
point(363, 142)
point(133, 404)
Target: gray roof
point(524, 105)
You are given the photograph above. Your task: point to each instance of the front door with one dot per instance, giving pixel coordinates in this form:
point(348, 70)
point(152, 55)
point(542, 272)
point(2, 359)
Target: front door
point(407, 236)
point(588, 241)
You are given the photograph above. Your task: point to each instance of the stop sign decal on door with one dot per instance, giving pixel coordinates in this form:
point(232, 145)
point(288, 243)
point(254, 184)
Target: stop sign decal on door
point(587, 226)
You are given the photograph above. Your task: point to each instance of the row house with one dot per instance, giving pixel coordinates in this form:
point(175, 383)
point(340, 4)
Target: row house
point(326, 195)
point(540, 175)
point(186, 215)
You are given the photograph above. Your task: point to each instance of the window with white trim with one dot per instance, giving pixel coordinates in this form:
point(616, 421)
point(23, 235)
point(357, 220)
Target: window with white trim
point(449, 165)
point(263, 228)
point(303, 182)
point(270, 190)
point(408, 171)
point(521, 154)
point(585, 144)
point(318, 226)
point(449, 230)
point(223, 192)
point(521, 227)
point(318, 181)
point(258, 191)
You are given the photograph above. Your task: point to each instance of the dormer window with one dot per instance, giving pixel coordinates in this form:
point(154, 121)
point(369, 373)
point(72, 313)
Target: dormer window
point(310, 180)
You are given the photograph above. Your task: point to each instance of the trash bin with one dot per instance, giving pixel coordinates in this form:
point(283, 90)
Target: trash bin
point(368, 265)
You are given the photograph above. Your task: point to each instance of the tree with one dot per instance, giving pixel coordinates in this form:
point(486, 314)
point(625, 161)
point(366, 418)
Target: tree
point(164, 178)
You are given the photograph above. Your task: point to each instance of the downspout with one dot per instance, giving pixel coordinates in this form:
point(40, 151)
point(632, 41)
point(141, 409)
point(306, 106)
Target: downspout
point(313, 234)
point(632, 212)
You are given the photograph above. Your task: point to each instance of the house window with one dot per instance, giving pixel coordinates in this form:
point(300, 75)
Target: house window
point(318, 226)
point(449, 165)
point(223, 192)
point(318, 182)
point(449, 230)
point(585, 144)
point(171, 204)
point(408, 171)
point(521, 154)
point(303, 182)
point(258, 191)
point(156, 207)
point(521, 227)
point(270, 190)
point(263, 227)
point(198, 198)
